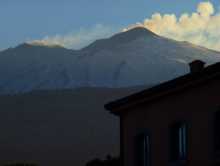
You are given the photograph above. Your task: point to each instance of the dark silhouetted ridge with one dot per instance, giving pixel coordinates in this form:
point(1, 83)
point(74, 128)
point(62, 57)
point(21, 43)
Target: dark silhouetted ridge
point(36, 45)
point(139, 32)
point(133, 34)
point(24, 45)
point(123, 37)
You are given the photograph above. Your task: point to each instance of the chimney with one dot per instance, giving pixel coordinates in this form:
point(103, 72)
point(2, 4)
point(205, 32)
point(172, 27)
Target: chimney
point(196, 66)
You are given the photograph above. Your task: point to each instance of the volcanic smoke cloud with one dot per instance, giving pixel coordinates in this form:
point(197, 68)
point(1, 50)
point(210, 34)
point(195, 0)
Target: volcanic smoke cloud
point(76, 40)
point(201, 27)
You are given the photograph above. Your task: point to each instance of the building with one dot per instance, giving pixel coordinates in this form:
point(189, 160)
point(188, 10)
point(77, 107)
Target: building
point(176, 123)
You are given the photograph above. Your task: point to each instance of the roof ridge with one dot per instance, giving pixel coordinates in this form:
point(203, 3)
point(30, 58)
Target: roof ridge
point(207, 73)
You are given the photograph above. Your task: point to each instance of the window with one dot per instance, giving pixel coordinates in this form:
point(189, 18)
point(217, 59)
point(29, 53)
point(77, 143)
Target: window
point(217, 131)
point(178, 141)
point(143, 150)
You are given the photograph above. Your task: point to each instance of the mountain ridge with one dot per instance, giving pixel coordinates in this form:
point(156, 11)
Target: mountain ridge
point(134, 33)
point(132, 58)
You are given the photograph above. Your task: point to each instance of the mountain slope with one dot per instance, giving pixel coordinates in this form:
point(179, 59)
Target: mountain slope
point(135, 57)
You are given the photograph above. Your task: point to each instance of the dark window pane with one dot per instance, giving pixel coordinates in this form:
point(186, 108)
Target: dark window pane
point(178, 141)
point(143, 150)
point(217, 130)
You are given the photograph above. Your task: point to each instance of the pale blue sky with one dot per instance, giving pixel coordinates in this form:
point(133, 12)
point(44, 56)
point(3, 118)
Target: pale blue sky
point(22, 20)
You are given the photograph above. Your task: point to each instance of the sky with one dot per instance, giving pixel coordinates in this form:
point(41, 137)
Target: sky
point(76, 23)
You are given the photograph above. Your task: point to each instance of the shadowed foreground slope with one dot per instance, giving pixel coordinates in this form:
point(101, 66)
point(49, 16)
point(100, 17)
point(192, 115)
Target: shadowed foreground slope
point(59, 127)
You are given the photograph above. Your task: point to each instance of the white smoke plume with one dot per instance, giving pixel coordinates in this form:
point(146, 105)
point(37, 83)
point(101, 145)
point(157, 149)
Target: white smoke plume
point(76, 40)
point(201, 27)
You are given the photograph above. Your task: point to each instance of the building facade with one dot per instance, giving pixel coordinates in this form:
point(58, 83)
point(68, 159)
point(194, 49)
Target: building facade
point(176, 123)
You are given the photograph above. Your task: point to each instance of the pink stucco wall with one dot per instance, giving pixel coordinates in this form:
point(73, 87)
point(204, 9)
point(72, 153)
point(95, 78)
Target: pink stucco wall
point(196, 106)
